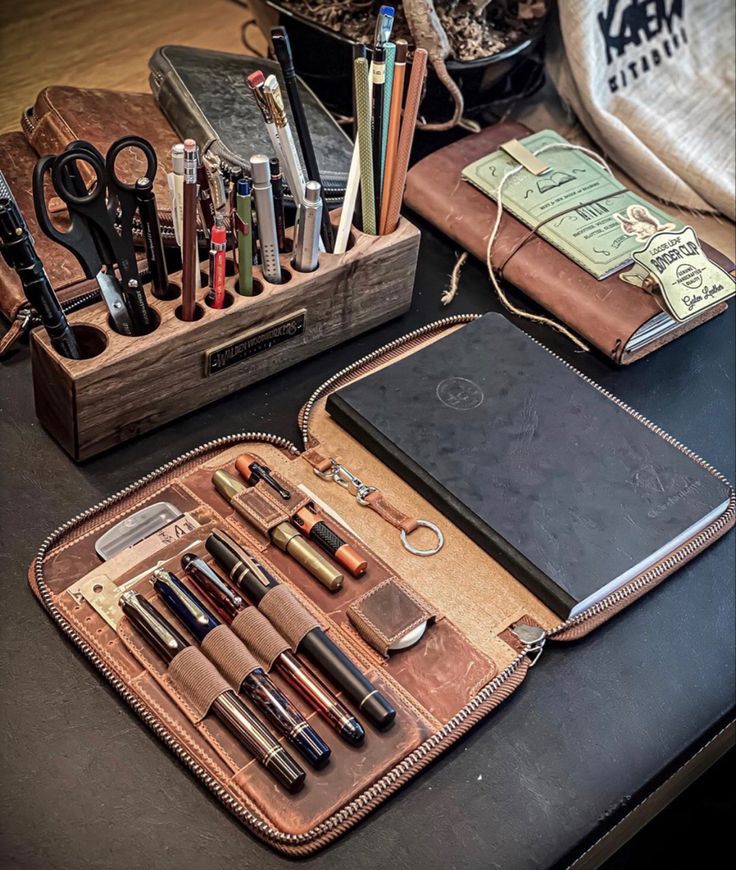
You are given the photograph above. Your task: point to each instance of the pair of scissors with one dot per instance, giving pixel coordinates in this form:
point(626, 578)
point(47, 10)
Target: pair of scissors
point(95, 213)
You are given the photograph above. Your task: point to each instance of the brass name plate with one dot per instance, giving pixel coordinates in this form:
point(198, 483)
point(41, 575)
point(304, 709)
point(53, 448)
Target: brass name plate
point(254, 341)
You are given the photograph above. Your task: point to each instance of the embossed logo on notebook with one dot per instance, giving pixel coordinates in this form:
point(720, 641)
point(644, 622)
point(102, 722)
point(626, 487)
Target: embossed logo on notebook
point(661, 491)
point(460, 394)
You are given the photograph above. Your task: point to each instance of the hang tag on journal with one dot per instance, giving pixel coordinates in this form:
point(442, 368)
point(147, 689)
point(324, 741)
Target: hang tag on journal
point(689, 283)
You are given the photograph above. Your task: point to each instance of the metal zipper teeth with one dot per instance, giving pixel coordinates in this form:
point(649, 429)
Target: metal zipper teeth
point(253, 821)
point(400, 345)
point(402, 768)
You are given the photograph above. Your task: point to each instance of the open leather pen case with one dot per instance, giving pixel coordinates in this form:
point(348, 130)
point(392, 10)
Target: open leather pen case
point(473, 629)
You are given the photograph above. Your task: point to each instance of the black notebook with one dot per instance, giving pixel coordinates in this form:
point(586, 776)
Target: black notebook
point(569, 491)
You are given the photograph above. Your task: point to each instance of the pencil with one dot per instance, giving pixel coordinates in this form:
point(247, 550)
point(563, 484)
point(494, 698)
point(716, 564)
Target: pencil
point(406, 137)
point(378, 81)
point(385, 117)
point(363, 100)
point(394, 123)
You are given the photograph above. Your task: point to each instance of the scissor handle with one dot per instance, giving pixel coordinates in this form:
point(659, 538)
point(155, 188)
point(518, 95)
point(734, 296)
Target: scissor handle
point(113, 153)
point(76, 238)
point(71, 192)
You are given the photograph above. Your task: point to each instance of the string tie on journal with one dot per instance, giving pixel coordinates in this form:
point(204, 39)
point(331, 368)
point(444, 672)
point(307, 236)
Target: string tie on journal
point(372, 497)
point(449, 294)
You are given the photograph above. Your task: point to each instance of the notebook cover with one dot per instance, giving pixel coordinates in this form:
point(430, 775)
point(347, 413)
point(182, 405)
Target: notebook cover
point(604, 313)
point(558, 483)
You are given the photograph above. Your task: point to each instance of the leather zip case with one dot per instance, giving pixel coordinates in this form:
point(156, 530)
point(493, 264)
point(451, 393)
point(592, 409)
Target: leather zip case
point(61, 115)
point(484, 631)
point(204, 95)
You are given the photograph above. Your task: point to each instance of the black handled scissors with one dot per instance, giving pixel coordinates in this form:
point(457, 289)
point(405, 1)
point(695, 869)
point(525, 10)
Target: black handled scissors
point(94, 210)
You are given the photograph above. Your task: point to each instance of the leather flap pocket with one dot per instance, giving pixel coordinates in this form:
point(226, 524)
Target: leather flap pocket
point(388, 612)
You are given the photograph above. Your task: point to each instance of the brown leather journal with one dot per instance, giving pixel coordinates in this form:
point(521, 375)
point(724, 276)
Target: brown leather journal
point(605, 313)
point(59, 116)
point(484, 627)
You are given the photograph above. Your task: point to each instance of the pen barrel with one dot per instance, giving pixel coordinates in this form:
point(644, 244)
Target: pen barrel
point(306, 244)
point(333, 661)
point(189, 251)
point(245, 243)
point(216, 297)
point(310, 687)
point(345, 555)
point(290, 541)
point(266, 218)
point(284, 716)
point(152, 239)
point(258, 740)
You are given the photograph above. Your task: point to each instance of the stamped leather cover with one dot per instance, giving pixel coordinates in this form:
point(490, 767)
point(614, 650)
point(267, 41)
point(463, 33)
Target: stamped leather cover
point(605, 313)
point(62, 114)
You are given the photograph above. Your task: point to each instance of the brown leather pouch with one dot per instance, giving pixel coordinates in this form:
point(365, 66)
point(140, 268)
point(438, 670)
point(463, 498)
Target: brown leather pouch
point(484, 627)
point(59, 116)
point(605, 313)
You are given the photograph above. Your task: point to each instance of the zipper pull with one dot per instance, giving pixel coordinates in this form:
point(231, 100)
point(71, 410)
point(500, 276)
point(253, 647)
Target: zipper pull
point(17, 329)
point(217, 182)
point(533, 637)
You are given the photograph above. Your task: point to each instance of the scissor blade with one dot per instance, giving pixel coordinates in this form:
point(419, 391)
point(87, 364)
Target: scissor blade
point(115, 302)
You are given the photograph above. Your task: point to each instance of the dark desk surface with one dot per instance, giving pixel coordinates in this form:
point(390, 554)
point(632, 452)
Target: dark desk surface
point(596, 726)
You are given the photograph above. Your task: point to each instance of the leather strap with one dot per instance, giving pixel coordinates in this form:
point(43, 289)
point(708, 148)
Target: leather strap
point(232, 658)
point(197, 679)
point(388, 512)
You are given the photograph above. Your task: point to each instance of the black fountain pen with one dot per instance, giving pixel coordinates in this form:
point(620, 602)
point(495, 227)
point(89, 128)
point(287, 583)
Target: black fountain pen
point(18, 251)
point(228, 707)
point(229, 604)
point(257, 685)
point(255, 581)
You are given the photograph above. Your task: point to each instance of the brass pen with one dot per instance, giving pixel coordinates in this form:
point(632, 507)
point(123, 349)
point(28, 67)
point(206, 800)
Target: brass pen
point(283, 535)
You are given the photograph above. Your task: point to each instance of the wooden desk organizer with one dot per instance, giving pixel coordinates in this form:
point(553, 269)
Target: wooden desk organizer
point(130, 385)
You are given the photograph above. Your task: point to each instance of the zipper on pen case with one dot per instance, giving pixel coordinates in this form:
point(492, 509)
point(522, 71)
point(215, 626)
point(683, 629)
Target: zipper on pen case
point(532, 637)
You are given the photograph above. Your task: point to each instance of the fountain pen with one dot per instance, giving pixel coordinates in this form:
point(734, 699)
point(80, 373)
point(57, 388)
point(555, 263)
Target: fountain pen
point(256, 685)
point(229, 604)
point(229, 709)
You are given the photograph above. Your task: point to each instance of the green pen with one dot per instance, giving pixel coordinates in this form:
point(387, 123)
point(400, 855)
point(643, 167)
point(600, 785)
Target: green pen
point(244, 236)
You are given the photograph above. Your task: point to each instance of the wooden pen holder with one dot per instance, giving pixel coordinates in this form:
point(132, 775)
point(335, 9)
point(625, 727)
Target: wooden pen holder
point(129, 385)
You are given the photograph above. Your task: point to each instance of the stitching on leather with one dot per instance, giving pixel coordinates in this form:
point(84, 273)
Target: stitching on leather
point(356, 606)
point(57, 114)
point(649, 796)
point(100, 649)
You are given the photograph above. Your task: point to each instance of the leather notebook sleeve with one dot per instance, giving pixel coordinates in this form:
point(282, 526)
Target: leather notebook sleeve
point(605, 313)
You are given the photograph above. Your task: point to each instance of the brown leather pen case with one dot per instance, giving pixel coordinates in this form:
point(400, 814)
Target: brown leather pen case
point(484, 628)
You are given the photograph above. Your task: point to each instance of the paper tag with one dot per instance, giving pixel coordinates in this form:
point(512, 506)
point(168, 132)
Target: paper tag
point(689, 282)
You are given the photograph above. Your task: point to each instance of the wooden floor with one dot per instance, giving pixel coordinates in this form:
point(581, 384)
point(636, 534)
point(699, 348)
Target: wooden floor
point(100, 43)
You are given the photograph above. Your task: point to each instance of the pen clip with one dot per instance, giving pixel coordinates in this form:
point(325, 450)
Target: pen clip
point(153, 625)
point(195, 611)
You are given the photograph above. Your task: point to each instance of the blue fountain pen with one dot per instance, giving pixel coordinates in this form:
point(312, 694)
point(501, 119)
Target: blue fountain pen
point(257, 685)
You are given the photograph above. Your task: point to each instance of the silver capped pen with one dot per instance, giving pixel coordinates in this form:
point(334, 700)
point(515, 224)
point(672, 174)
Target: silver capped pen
point(306, 245)
point(262, 192)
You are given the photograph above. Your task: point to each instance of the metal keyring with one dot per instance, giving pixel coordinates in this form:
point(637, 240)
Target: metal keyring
point(427, 525)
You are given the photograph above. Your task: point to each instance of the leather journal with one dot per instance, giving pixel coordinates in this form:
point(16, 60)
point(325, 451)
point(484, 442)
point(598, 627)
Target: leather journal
point(473, 627)
point(609, 314)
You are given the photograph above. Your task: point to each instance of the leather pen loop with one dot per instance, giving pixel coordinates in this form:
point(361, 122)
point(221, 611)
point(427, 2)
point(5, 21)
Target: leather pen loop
point(371, 497)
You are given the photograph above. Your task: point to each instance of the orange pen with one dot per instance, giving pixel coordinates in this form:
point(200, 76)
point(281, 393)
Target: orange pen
point(394, 123)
